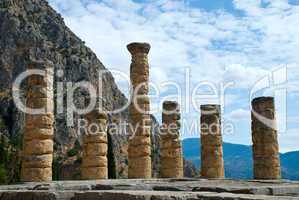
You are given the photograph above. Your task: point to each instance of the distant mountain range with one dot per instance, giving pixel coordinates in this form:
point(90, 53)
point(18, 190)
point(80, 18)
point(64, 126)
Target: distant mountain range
point(238, 160)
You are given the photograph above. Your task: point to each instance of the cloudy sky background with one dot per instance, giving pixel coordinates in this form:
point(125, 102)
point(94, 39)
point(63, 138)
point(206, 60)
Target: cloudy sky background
point(220, 41)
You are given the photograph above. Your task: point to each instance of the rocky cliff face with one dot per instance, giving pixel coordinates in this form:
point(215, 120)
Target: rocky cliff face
point(32, 30)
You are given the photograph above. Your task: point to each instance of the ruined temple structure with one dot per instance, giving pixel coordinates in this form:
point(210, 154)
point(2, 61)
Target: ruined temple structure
point(95, 147)
point(171, 147)
point(139, 150)
point(39, 132)
point(212, 165)
point(32, 29)
point(37, 153)
point(264, 137)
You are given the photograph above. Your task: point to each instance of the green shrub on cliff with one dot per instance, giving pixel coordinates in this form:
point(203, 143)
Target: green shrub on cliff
point(111, 159)
point(57, 163)
point(3, 175)
point(72, 152)
point(2, 125)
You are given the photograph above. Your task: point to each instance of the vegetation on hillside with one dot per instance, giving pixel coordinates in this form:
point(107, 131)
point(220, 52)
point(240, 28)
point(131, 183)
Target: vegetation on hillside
point(9, 155)
point(111, 159)
point(3, 155)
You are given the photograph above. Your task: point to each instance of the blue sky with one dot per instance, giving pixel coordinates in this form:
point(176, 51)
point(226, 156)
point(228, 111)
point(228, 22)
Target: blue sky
point(221, 41)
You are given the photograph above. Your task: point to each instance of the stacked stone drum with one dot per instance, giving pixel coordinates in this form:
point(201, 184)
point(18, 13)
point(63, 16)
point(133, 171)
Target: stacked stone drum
point(264, 137)
point(171, 147)
point(139, 150)
point(95, 147)
point(39, 131)
point(212, 165)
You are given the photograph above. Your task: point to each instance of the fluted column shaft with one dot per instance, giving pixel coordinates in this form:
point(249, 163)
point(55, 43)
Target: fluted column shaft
point(171, 147)
point(212, 165)
point(95, 147)
point(264, 137)
point(139, 150)
point(37, 153)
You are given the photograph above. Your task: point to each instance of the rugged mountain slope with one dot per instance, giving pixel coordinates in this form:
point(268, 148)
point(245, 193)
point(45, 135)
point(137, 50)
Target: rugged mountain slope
point(31, 29)
point(238, 160)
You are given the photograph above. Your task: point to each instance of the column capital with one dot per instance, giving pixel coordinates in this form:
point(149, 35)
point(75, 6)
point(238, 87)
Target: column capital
point(170, 105)
point(210, 109)
point(260, 104)
point(137, 47)
point(259, 100)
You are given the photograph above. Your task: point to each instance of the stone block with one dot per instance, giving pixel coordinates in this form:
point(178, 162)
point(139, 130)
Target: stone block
point(38, 134)
point(140, 167)
point(139, 151)
point(98, 138)
point(95, 161)
point(171, 153)
point(38, 147)
point(95, 149)
point(40, 121)
point(94, 173)
point(36, 174)
point(140, 140)
point(37, 161)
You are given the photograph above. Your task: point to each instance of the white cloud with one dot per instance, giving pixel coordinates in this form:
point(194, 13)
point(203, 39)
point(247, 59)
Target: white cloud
point(242, 76)
point(293, 119)
point(251, 7)
point(289, 141)
point(215, 45)
point(293, 79)
point(231, 99)
point(239, 114)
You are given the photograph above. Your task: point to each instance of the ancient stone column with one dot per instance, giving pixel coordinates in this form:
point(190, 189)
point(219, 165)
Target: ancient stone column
point(95, 147)
point(212, 165)
point(139, 150)
point(39, 131)
point(264, 137)
point(171, 147)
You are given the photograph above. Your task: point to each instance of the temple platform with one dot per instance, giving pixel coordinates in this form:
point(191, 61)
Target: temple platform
point(154, 189)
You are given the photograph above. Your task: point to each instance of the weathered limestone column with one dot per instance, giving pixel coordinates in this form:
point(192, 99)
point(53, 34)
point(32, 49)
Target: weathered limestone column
point(171, 147)
point(39, 131)
point(212, 165)
point(95, 147)
point(264, 137)
point(139, 151)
